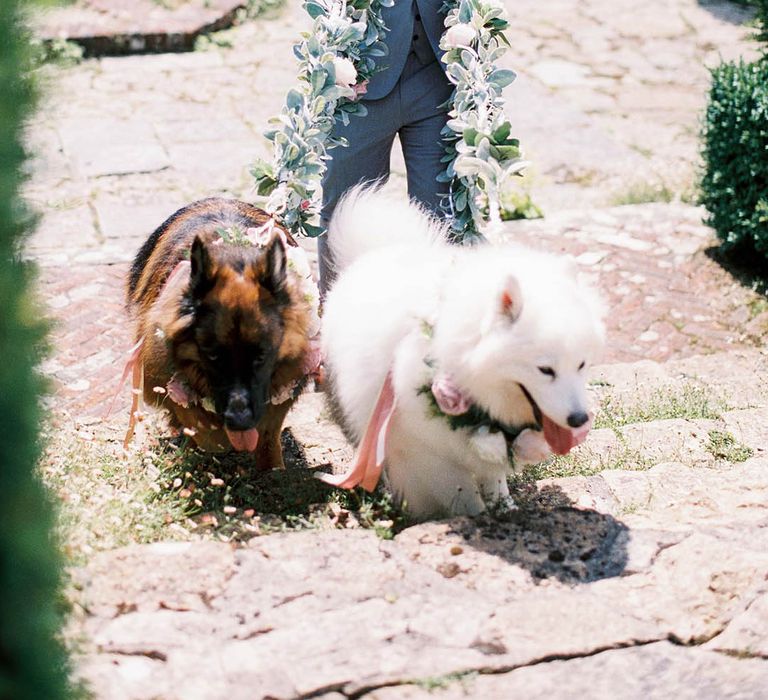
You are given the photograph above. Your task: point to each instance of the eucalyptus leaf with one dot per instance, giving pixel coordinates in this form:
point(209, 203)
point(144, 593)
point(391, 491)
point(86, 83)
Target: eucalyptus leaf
point(502, 77)
point(312, 231)
point(294, 100)
point(314, 9)
point(470, 135)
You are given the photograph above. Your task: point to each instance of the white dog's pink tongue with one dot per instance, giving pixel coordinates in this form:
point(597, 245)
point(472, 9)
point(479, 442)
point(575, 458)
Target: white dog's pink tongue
point(244, 440)
point(563, 440)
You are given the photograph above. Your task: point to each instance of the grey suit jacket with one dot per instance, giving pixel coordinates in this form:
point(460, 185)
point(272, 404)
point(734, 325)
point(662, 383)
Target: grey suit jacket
point(399, 22)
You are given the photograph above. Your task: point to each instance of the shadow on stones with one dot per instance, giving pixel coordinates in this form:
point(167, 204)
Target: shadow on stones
point(545, 535)
point(748, 267)
point(290, 498)
point(728, 11)
point(551, 538)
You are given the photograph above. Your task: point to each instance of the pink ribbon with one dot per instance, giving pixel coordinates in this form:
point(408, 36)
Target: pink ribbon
point(369, 460)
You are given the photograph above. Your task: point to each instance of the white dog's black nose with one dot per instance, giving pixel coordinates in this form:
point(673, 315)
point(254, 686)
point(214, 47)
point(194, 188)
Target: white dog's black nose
point(577, 419)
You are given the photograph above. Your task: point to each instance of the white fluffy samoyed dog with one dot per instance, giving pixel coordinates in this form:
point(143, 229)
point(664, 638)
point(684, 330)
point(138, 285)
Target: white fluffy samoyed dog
point(451, 366)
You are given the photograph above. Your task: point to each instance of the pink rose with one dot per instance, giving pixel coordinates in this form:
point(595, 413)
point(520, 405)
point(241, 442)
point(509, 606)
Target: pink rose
point(360, 88)
point(458, 35)
point(450, 399)
point(180, 392)
point(314, 358)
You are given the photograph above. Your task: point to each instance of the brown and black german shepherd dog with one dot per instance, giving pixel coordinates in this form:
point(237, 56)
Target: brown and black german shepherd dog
point(221, 336)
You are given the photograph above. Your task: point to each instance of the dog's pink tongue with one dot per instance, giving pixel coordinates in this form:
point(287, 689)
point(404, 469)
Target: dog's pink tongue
point(563, 440)
point(244, 440)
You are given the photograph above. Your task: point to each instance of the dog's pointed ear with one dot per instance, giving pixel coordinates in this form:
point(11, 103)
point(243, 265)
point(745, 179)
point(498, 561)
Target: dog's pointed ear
point(201, 267)
point(511, 298)
point(276, 263)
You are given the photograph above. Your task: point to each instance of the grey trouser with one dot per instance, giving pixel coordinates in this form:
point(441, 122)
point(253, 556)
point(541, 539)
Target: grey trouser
point(411, 111)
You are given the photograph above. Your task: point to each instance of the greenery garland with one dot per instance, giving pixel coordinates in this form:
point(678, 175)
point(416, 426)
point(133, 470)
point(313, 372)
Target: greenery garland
point(480, 153)
point(336, 60)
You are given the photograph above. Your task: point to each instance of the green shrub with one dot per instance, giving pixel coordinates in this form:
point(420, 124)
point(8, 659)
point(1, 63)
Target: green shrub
point(761, 20)
point(32, 661)
point(735, 150)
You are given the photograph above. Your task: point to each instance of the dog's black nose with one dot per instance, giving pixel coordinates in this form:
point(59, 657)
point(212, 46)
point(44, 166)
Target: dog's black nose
point(577, 419)
point(238, 414)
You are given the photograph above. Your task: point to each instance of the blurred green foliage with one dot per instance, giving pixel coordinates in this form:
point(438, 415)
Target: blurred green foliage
point(32, 659)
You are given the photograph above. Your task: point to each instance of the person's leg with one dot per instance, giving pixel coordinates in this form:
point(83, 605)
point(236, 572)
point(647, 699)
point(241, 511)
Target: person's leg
point(365, 159)
point(422, 94)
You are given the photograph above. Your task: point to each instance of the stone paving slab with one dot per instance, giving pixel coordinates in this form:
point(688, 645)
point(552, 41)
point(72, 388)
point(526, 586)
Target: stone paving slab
point(656, 671)
point(109, 27)
point(564, 584)
point(99, 147)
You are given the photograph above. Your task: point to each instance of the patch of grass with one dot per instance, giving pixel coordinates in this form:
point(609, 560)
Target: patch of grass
point(629, 509)
point(172, 491)
point(171, 4)
point(264, 8)
point(225, 38)
point(643, 193)
point(671, 187)
point(642, 150)
point(724, 447)
point(215, 40)
point(691, 401)
point(442, 682)
point(59, 52)
point(757, 306)
point(516, 202)
point(587, 462)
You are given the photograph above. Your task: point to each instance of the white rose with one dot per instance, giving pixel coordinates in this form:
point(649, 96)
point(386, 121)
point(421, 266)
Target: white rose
point(346, 74)
point(458, 35)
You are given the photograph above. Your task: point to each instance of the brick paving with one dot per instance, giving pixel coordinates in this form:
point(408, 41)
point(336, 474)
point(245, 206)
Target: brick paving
point(602, 103)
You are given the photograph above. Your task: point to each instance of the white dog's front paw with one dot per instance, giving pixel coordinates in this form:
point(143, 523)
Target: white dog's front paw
point(489, 447)
point(530, 447)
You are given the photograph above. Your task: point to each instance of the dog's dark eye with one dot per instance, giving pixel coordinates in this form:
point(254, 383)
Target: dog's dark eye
point(257, 358)
point(209, 353)
point(547, 370)
point(582, 365)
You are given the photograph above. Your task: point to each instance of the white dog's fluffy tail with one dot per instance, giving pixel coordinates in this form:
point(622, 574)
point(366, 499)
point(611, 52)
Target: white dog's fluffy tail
point(367, 218)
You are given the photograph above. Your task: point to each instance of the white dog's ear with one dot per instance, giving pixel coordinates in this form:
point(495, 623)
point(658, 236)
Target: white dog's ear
point(511, 298)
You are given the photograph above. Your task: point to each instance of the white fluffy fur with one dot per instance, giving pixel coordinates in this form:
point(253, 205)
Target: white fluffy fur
point(398, 273)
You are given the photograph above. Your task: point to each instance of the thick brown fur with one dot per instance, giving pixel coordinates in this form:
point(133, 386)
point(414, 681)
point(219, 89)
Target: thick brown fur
point(232, 327)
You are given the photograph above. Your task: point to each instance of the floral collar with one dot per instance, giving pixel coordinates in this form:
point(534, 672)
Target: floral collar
point(451, 403)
